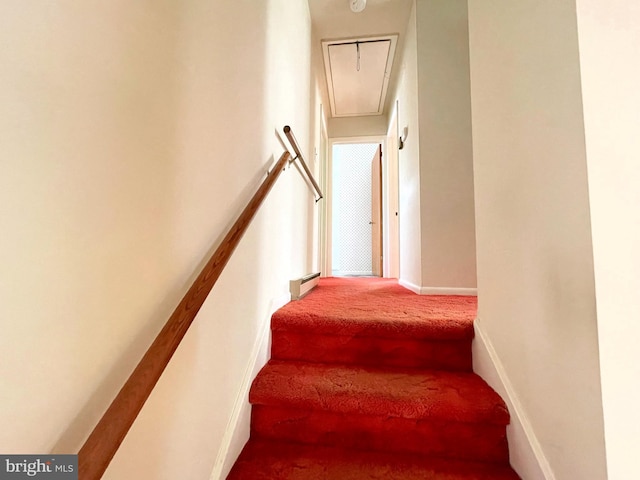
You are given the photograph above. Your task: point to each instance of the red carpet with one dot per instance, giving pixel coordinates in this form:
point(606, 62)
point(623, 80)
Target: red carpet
point(370, 381)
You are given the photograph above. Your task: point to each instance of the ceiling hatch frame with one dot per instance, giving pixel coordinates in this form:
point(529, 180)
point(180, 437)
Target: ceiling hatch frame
point(330, 74)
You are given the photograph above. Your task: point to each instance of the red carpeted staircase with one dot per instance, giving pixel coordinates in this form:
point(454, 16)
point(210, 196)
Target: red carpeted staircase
point(370, 381)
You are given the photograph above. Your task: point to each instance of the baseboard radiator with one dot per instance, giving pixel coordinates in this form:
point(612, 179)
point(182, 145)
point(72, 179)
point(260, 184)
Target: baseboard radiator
point(301, 286)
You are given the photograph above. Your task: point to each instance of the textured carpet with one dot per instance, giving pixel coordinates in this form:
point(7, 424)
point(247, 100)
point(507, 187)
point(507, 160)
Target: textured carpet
point(370, 381)
point(375, 322)
point(372, 306)
point(275, 460)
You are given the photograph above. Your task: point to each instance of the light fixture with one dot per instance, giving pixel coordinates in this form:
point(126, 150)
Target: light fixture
point(357, 5)
point(401, 140)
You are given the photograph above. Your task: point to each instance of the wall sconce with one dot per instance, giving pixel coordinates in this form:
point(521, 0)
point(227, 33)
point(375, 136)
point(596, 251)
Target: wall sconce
point(405, 133)
point(357, 5)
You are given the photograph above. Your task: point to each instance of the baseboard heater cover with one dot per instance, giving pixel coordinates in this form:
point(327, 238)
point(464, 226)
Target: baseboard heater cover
point(301, 286)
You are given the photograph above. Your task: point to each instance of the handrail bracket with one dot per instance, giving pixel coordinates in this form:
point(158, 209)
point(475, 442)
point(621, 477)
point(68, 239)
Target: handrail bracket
point(296, 149)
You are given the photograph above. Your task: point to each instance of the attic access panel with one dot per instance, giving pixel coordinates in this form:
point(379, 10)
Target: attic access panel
point(358, 72)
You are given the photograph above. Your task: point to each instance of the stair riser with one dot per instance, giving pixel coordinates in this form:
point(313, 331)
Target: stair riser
point(279, 461)
point(463, 441)
point(454, 355)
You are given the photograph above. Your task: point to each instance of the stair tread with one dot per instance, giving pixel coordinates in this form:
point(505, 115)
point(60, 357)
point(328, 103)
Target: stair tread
point(371, 309)
point(415, 394)
point(288, 461)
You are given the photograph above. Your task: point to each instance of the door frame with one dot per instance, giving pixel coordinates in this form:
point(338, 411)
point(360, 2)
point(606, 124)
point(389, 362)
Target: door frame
point(326, 251)
point(320, 220)
point(391, 199)
point(377, 227)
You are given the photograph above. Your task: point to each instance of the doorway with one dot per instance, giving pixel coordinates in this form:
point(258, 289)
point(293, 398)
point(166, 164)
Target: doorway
point(356, 209)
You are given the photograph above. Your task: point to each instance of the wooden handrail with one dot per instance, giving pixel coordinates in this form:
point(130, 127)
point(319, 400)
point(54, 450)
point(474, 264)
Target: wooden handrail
point(296, 148)
point(103, 442)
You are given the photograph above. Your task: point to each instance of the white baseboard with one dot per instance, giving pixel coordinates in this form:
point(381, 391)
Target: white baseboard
point(237, 432)
point(525, 453)
point(438, 290)
point(410, 286)
point(468, 292)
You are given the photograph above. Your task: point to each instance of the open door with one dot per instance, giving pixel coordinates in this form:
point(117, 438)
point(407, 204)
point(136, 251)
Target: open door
point(355, 209)
point(376, 213)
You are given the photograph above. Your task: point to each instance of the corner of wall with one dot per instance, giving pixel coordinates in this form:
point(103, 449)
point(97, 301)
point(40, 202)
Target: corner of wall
point(467, 292)
point(525, 452)
point(236, 433)
point(410, 286)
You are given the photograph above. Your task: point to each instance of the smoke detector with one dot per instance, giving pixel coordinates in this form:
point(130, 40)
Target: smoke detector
point(357, 5)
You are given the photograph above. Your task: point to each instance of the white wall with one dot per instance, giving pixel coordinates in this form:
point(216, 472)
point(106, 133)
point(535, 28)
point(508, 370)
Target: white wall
point(437, 229)
point(357, 126)
point(446, 160)
point(409, 159)
point(132, 135)
point(609, 35)
point(535, 266)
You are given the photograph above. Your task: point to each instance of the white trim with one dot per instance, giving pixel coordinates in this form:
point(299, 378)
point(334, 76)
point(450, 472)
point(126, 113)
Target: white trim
point(468, 292)
point(525, 452)
point(410, 286)
point(391, 200)
point(324, 257)
point(236, 433)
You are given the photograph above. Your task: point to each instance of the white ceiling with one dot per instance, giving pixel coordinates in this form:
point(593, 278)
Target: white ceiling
point(332, 19)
